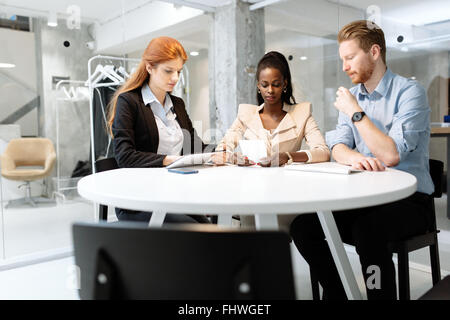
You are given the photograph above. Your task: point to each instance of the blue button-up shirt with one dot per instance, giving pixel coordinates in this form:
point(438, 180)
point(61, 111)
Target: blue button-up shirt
point(399, 108)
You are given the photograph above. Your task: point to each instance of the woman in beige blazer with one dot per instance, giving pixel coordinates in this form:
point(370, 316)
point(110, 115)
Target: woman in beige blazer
point(278, 121)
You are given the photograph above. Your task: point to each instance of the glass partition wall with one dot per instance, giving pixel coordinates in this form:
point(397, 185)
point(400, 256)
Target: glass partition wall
point(45, 94)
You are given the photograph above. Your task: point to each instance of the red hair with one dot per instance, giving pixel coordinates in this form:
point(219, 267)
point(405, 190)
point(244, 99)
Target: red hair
point(159, 50)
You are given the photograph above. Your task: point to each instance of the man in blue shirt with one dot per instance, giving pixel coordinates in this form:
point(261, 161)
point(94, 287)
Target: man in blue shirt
point(384, 121)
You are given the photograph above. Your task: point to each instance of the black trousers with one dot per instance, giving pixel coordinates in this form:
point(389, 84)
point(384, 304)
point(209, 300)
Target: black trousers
point(369, 230)
point(144, 216)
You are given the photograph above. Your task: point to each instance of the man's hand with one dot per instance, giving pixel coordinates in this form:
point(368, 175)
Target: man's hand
point(346, 102)
point(276, 160)
point(367, 163)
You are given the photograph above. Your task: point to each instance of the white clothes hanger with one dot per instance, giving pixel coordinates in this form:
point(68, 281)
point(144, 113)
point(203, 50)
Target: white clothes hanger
point(101, 73)
point(105, 74)
point(97, 71)
point(123, 72)
point(111, 70)
point(71, 93)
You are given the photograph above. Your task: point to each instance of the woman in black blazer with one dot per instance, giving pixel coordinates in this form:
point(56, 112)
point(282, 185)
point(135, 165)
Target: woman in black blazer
point(150, 127)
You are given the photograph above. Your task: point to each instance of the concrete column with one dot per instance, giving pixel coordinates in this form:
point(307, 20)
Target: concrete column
point(237, 43)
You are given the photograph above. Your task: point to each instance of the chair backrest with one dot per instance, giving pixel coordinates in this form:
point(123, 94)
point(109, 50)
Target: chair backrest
point(30, 151)
point(106, 164)
point(437, 173)
point(132, 261)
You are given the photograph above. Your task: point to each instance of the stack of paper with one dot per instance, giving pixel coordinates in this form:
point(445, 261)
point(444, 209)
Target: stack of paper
point(191, 160)
point(326, 167)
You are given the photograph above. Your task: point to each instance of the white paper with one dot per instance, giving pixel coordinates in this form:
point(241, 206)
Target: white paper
point(325, 167)
point(191, 160)
point(255, 150)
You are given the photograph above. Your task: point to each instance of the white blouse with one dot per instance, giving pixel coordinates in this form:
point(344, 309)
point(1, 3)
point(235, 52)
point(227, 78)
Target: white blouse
point(170, 133)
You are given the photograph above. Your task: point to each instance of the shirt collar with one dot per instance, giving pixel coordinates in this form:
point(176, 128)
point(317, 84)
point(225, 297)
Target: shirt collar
point(286, 107)
point(148, 97)
point(382, 87)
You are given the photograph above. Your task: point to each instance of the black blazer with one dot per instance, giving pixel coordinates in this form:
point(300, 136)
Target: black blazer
point(136, 135)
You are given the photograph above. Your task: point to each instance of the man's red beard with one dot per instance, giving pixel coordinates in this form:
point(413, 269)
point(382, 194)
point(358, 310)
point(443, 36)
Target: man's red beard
point(364, 74)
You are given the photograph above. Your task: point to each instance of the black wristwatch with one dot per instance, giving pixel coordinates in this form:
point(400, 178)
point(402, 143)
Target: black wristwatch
point(357, 116)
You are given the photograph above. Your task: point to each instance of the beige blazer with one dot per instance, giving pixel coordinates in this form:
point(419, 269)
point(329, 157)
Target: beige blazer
point(287, 137)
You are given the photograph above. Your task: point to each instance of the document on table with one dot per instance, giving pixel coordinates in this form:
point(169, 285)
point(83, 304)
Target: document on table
point(191, 160)
point(324, 167)
point(255, 150)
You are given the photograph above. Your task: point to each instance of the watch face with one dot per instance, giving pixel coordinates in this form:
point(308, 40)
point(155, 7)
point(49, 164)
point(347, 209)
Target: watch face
point(357, 116)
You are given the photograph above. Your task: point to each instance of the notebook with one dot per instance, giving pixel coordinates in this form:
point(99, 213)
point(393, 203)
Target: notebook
point(191, 160)
point(324, 167)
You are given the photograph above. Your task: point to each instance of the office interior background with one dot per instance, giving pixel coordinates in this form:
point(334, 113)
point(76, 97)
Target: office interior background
point(52, 54)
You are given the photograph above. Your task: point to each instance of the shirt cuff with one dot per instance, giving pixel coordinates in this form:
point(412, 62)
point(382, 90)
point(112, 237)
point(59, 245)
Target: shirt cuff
point(308, 153)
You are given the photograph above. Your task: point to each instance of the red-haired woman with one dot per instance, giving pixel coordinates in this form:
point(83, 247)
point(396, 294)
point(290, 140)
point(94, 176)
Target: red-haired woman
point(150, 126)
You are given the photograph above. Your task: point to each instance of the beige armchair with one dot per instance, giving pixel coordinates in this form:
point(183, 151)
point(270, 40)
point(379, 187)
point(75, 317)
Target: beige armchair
point(36, 153)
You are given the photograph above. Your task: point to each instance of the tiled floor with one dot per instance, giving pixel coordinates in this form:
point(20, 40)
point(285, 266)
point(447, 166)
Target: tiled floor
point(56, 280)
point(48, 228)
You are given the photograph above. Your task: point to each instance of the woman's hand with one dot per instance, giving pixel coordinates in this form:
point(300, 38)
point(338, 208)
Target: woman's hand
point(276, 160)
point(169, 159)
point(241, 160)
point(220, 158)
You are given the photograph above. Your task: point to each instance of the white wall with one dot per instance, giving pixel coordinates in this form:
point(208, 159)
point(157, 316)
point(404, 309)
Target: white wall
point(134, 29)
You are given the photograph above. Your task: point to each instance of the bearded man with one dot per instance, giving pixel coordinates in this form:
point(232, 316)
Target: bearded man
point(384, 121)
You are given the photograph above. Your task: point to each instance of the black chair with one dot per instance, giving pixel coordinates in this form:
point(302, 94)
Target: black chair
point(440, 291)
point(193, 261)
point(105, 165)
point(404, 247)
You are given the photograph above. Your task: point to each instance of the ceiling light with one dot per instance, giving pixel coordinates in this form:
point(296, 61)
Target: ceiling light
point(413, 78)
point(7, 65)
point(194, 53)
point(52, 20)
point(303, 58)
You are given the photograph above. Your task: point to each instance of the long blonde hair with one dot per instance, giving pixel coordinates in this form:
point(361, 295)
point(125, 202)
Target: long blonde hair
point(158, 50)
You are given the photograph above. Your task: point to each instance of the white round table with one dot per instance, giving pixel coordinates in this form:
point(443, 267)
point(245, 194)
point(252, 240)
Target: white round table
point(263, 192)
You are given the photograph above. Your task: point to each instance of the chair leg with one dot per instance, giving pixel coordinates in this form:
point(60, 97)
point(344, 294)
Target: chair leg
point(28, 197)
point(435, 265)
point(103, 212)
point(213, 219)
point(314, 285)
point(403, 274)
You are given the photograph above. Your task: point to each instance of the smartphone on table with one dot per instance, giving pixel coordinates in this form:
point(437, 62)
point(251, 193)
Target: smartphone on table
point(183, 170)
